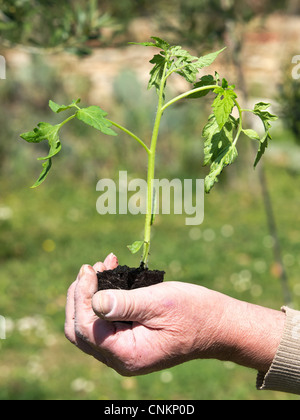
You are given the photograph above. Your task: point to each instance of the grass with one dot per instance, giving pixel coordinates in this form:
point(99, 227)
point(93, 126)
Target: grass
point(46, 234)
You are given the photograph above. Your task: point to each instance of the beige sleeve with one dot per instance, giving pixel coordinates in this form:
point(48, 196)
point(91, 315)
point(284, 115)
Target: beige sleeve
point(284, 373)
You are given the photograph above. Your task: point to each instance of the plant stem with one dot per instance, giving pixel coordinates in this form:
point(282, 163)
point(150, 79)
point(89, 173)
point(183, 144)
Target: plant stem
point(131, 135)
point(67, 120)
point(151, 170)
point(240, 124)
point(186, 94)
point(151, 156)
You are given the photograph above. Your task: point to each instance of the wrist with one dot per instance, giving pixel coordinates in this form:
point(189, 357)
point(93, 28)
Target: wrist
point(252, 334)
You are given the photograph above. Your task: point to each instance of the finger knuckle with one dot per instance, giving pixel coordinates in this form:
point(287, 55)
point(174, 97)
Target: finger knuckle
point(81, 331)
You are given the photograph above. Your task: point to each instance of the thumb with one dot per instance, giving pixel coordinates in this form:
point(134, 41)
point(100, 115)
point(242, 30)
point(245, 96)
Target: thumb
point(124, 305)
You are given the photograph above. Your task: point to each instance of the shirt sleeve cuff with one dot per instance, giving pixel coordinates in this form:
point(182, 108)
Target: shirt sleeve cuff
point(284, 372)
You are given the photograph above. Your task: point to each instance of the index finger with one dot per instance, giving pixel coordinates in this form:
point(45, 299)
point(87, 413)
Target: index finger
point(85, 288)
point(88, 326)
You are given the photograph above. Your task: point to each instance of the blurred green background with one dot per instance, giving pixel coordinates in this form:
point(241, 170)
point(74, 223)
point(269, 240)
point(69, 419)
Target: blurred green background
point(77, 49)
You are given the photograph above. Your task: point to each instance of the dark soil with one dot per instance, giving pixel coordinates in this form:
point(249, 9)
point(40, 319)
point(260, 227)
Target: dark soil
point(127, 278)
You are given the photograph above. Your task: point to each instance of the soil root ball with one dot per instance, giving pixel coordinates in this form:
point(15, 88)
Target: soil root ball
point(124, 277)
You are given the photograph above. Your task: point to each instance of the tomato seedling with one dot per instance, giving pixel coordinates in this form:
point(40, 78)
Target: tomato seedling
point(221, 132)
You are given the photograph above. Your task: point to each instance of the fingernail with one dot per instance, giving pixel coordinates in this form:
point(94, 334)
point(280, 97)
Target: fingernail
point(111, 261)
point(84, 270)
point(107, 302)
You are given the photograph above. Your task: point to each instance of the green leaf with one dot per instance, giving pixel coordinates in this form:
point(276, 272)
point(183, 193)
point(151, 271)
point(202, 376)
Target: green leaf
point(266, 117)
point(208, 59)
point(135, 247)
point(252, 134)
point(157, 71)
point(95, 117)
point(188, 65)
point(264, 143)
point(55, 148)
point(32, 136)
point(159, 43)
point(46, 168)
point(177, 60)
point(45, 131)
point(261, 106)
point(59, 108)
point(260, 110)
point(204, 81)
point(223, 104)
point(38, 134)
point(183, 63)
point(219, 150)
point(189, 72)
point(50, 132)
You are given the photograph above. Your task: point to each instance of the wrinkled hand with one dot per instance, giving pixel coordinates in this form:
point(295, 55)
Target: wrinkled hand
point(171, 322)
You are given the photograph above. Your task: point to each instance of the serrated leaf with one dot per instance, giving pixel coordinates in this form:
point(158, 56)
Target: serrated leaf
point(262, 106)
point(187, 65)
point(226, 157)
point(204, 81)
point(159, 43)
point(223, 105)
point(46, 168)
point(40, 133)
point(135, 247)
point(59, 108)
point(45, 131)
point(50, 132)
point(95, 117)
point(179, 52)
point(208, 59)
point(156, 73)
point(178, 60)
point(252, 134)
point(219, 150)
point(260, 109)
point(31, 137)
point(55, 148)
point(189, 72)
point(264, 143)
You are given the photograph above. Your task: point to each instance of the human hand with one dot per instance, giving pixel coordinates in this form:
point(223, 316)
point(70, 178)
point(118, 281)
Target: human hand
point(170, 323)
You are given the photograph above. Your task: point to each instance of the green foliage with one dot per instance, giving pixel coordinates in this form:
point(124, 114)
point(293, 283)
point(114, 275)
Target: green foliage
point(135, 247)
point(260, 110)
point(93, 116)
point(174, 59)
point(220, 143)
point(224, 103)
point(59, 108)
point(219, 149)
point(207, 80)
point(221, 133)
